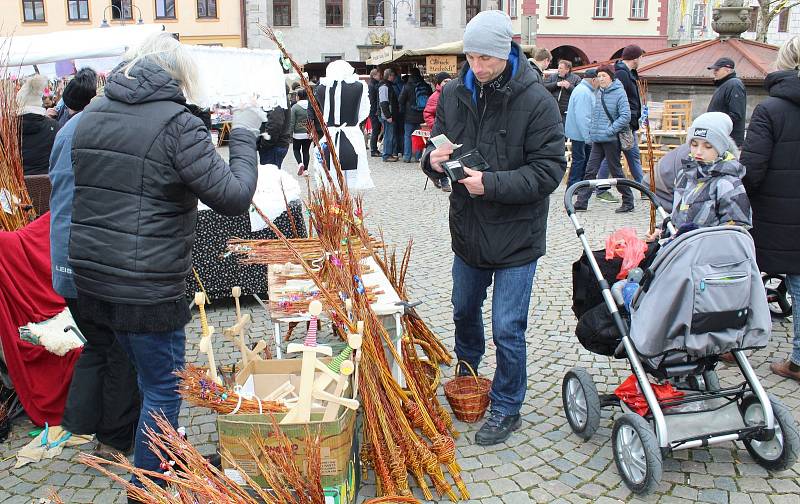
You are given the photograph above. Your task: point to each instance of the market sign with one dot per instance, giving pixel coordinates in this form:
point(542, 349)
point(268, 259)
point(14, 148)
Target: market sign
point(436, 64)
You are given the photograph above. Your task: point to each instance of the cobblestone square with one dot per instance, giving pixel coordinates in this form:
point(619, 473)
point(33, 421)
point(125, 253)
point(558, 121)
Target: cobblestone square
point(543, 461)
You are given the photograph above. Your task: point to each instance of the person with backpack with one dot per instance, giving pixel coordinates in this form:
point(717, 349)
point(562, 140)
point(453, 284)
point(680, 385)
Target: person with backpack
point(412, 100)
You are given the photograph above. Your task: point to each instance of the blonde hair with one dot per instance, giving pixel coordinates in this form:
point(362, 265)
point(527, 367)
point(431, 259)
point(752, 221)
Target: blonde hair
point(163, 50)
point(789, 55)
point(30, 94)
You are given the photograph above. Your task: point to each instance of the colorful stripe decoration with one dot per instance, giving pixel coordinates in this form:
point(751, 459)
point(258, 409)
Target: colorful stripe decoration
point(336, 364)
point(311, 336)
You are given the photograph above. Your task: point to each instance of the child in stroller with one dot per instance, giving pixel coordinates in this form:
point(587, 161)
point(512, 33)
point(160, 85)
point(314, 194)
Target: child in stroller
point(700, 297)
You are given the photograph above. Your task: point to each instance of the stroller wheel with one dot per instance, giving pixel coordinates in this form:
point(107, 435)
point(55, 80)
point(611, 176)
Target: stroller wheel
point(780, 452)
point(581, 402)
point(777, 295)
point(636, 453)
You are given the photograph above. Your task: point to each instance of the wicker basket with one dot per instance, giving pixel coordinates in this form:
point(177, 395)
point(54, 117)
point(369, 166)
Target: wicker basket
point(468, 395)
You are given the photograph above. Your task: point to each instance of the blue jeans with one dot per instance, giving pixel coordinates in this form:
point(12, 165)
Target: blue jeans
point(793, 284)
point(273, 155)
point(512, 295)
point(388, 139)
point(155, 356)
point(580, 155)
point(407, 152)
point(634, 162)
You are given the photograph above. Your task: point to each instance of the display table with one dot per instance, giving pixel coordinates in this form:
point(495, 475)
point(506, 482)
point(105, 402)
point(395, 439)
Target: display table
point(220, 271)
point(388, 306)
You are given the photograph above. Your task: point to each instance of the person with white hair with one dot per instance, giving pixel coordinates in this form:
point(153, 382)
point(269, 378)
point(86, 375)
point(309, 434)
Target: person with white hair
point(37, 131)
point(772, 182)
point(141, 161)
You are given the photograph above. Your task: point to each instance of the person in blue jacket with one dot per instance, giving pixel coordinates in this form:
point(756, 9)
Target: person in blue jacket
point(610, 116)
point(576, 127)
point(103, 397)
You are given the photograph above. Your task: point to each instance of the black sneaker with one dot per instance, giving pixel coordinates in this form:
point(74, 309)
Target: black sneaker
point(624, 209)
point(579, 208)
point(497, 429)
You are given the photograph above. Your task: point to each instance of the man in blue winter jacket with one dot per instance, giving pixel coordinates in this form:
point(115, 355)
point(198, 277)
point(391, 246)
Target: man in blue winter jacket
point(579, 119)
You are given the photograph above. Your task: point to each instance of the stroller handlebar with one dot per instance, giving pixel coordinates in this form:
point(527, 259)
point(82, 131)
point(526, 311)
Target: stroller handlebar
point(606, 184)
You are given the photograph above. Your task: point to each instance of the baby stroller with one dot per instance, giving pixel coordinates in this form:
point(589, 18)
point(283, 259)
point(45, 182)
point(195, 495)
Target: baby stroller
point(700, 297)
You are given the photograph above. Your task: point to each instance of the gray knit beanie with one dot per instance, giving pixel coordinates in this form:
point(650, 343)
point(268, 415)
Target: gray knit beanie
point(489, 33)
point(714, 128)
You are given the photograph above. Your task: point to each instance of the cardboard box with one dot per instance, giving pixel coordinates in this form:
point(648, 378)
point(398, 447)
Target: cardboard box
point(337, 438)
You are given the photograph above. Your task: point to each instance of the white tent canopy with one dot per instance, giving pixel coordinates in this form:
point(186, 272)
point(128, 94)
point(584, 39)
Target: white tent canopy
point(74, 44)
point(228, 76)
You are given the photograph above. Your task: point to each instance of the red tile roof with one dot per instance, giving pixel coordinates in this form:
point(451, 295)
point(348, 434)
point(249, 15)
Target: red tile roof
point(688, 64)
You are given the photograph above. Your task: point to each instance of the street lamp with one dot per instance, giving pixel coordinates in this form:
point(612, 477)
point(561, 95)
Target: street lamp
point(682, 28)
point(394, 4)
point(105, 24)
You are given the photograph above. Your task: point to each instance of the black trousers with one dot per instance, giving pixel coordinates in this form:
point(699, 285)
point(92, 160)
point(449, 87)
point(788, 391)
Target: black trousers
point(301, 148)
point(103, 398)
point(375, 122)
point(611, 152)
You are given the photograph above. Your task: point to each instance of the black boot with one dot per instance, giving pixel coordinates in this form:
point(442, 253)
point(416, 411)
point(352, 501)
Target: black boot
point(497, 429)
point(624, 209)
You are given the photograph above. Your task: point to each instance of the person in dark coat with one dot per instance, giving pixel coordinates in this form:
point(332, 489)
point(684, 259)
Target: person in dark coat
point(561, 85)
point(37, 131)
point(141, 162)
point(103, 397)
point(374, 111)
point(730, 96)
point(77, 94)
point(412, 101)
point(772, 182)
point(276, 136)
point(498, 108)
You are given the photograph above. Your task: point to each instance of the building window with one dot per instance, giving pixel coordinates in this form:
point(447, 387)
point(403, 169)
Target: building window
point(282, 12)
point(555, 8)
point(473, 8)
point(783, 21)
point(33, 10)
point(699, 15)
point(427, 12)
point(512, 8)
point(206, 8)
point(602, 8)
point(374, 7)
point(333, 13)
point(121, 9)
point(78, 10)
point(327, 58)
point(638, 9)
point(165, 9)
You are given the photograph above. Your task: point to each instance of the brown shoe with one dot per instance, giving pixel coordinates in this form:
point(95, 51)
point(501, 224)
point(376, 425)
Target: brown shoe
point(106, 452)
point(784, 368)
point(391, 159)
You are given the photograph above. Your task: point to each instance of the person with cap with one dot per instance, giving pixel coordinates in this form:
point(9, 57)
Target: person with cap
point(77, 94)
point(429, 114)
point(610, 116)
point(498, 110)
point(730, 96)
point(708, 189)
point(390, 111)
point(626, 71)
point(561, 84)
point(37, 131)
point(579, 119)
point(773, 185)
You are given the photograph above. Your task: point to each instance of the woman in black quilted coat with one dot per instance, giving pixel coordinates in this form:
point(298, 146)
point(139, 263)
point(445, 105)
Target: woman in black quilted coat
point(141, 161)
point(770, 154)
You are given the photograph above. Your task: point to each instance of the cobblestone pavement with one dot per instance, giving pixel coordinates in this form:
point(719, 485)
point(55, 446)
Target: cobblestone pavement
point(543, 461)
